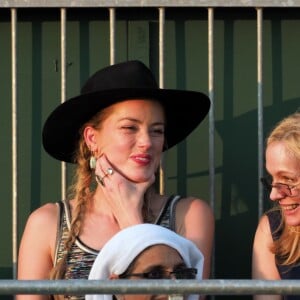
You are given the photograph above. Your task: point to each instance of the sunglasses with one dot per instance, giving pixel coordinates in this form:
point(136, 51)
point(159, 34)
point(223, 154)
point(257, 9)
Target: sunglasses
point(182, 273)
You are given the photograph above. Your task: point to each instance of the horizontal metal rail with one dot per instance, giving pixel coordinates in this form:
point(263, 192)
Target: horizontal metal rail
point(207, 287)
point(149, 3)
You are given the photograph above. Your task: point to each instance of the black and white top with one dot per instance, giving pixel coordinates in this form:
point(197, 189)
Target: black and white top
point(81, 257)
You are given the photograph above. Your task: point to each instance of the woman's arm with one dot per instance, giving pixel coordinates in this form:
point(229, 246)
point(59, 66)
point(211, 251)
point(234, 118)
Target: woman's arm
point(37, 247)
point(195, 221)
point(263, 260)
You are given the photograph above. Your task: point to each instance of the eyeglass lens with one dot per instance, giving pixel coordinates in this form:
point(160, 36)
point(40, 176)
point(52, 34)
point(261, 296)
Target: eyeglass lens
point(281, 187)
point(187, 273)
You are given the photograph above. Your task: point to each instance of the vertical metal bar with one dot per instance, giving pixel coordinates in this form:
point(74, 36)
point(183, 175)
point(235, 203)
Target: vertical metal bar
point(211, 112)
point(161, 45)
point(161, 83)
point(63, 16)
point(14, 141)
point(260, 105)
point(112, 35)
point(211, 115)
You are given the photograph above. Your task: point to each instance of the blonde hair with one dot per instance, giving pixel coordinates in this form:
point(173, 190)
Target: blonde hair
point(287, 247)
point(82, 191)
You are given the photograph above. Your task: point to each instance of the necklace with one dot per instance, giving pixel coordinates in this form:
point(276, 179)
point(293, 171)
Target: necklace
point(295, 229)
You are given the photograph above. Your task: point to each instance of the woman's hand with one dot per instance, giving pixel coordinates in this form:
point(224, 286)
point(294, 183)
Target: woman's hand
point(124, 196)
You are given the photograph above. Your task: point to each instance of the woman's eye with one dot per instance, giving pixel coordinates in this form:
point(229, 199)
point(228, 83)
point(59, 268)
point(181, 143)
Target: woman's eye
point(288, 180)
point(282, 179)
point(155, 275)
point(158, 131)
point(129, 128)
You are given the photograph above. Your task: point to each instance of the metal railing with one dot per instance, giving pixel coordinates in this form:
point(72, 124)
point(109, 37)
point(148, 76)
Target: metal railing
point(209, 287)
point(204, 287)
point(149, 3)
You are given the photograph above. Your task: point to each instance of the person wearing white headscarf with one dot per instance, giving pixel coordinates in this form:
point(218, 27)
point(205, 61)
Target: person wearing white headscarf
point(122, 249)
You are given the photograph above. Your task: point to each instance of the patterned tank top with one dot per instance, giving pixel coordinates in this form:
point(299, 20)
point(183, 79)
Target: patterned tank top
point(81, 257)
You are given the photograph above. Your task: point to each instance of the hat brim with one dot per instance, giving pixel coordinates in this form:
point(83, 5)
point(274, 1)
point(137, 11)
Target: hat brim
point(184, 112)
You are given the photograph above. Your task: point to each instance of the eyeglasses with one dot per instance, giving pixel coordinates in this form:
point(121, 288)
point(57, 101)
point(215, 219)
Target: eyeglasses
point(182, 273)
point(282, 188)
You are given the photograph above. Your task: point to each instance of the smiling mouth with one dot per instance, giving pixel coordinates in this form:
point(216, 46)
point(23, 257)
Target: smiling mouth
point(289, 207)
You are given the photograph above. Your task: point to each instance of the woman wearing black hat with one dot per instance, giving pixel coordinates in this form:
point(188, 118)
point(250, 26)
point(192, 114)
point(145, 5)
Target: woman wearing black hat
point(115, 132)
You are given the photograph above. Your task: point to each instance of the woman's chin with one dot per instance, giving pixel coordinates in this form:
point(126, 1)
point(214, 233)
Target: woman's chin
point(292, 220)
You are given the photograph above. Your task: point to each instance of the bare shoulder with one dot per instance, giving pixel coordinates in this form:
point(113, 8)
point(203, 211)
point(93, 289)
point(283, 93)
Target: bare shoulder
point(194, 217)
point(46, 215)
point(38, 243)
point(263, 226)
point(263, 258)
point(42, 225)
point(195, 220)
point(195, 205)
point(263, 237)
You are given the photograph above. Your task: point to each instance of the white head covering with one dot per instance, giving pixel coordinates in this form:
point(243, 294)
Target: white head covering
point(119, 252)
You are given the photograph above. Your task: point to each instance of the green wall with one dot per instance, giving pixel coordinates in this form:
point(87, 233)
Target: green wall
point(186, 67)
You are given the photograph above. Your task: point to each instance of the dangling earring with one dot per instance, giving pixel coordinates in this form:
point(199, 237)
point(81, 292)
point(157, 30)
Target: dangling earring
point(93, 161)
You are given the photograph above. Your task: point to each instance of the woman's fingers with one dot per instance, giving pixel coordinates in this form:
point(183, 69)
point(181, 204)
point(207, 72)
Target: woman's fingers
point(103, 169)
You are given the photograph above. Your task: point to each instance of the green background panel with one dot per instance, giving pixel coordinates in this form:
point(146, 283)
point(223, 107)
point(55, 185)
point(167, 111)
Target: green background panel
point(186, 67)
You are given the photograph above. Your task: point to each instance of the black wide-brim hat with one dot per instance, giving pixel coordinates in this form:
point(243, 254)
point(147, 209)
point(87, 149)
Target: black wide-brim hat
point(184, 110)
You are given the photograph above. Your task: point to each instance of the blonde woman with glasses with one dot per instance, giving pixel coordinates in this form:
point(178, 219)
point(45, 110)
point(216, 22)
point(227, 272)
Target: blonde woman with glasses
point(276, 248)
